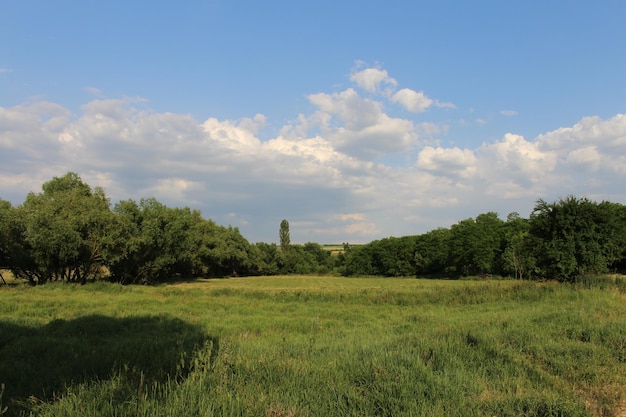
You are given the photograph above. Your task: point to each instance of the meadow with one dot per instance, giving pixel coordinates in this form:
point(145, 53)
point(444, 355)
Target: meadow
point(315, 346)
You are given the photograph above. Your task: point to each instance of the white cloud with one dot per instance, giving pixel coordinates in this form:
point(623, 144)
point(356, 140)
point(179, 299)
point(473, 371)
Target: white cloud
point(171, 189)
point(508, 113)
point(327, 182)
point(515, 154)
point(235, 136)
point(412, 100)
point(358, 127)
point(354, 111)
point(587, 158)
point(514, 167)
point(609, 134)
point(371, 80)
point(447, 162)
point(376, 80)
point(596, 143)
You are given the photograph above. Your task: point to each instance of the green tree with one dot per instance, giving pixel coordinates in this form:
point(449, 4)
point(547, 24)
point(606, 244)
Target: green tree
point(15, 252)
point(68, 232)
point(164, 243)
point(575, 236)
point(161, 243)
point(517, 257)
point(228, 253)
point(322, 258)
point(271, 259)
point(431, 252)
point(392, 257)
point(7, 220)
point(475, 245)
point(285, 241)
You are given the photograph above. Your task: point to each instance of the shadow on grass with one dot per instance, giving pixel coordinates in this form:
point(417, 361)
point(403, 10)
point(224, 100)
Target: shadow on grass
point(42, 362)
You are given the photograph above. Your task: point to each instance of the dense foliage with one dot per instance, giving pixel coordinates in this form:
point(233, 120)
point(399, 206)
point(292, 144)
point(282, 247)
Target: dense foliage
point(69, 232)
point(564, 240)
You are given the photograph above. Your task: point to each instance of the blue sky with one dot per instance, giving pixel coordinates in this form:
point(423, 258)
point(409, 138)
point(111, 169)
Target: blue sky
point(353, 120)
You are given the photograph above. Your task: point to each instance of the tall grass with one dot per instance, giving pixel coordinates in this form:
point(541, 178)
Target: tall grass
point(314, 346)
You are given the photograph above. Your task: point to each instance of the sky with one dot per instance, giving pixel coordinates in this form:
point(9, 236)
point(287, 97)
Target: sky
point(352, 120)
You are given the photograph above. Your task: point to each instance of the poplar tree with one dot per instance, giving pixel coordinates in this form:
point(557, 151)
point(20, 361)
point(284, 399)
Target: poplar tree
point(285, 241)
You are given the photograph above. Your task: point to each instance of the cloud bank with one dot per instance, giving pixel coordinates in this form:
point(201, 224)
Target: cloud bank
point(324, 171)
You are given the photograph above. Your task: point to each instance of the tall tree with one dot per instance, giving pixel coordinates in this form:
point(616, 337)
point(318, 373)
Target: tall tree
point(285, 240)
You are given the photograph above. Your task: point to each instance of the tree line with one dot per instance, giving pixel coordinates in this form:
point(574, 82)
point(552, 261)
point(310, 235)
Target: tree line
point(70, 232)
point(562, 240)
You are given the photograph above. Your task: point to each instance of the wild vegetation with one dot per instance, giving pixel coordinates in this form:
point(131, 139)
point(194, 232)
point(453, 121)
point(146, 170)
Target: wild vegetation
point(315, 346)
point(69, 232)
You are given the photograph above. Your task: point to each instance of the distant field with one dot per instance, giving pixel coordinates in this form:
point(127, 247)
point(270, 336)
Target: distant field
point(336, 249)
point(314, 346)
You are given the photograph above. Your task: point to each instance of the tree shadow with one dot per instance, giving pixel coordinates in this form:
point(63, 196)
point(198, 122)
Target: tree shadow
point(42, 362)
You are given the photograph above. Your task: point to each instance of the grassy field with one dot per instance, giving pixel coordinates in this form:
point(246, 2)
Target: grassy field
point(334, 249)
point(314, 346)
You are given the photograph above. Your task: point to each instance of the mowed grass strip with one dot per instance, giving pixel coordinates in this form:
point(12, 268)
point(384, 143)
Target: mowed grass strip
point(313, 346)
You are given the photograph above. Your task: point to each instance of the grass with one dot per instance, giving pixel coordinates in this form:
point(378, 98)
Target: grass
point(314, 346)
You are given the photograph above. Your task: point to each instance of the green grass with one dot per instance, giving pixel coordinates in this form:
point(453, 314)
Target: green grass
point(314, 346)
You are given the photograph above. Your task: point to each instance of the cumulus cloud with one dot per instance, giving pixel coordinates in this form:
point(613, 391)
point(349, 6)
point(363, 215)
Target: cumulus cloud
point(378, 81)
point(587, 158)
point(447, 162)
point(329, 183)
point(373, 80)
point(515, 167)
point(358, 126)
point(607, 134)
point(354, 111)
point(413, 101)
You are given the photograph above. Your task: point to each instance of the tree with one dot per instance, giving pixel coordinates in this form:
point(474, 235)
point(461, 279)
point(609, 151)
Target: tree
point(6, 238)
point(517, 257)
point(161, 242)
point(475, 245)
point(6, 219)
point(322, 258)
point(431, 252)
point(391, 257)
point(285, 241)
point(270, 260)
point(68, 232)
point(576, 236)
point(228, 253)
